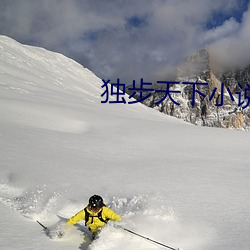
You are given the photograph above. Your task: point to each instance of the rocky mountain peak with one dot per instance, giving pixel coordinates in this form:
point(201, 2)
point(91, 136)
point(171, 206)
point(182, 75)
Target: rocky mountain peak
point(194, 65)
point(213, 96)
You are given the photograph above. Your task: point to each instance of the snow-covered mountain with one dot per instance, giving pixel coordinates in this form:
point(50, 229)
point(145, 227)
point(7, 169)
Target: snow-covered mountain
point(225, 99)
point(182, 185)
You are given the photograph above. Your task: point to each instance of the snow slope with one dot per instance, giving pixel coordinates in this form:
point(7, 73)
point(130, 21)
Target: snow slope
point(179, 184)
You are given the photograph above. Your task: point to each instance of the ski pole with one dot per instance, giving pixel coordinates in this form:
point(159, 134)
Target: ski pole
point(146, 238)
point(45, 228)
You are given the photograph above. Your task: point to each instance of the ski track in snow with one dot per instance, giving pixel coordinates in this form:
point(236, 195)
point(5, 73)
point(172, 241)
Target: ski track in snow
point(43, 117)
point(145, 214)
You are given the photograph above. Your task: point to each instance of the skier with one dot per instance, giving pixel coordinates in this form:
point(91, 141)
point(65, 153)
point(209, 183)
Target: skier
point(95, 214)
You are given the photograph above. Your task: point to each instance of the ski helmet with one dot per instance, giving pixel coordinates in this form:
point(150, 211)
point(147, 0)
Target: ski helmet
point(95, 202)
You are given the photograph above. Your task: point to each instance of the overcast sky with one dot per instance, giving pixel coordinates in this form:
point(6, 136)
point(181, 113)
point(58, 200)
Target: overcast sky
point(131, 39)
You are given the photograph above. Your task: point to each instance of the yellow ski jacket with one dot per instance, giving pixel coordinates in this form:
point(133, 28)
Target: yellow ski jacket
point(94, 223)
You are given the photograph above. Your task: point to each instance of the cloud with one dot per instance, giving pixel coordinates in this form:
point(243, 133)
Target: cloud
point(226, 29)
point(126, 39)
point(232, 50)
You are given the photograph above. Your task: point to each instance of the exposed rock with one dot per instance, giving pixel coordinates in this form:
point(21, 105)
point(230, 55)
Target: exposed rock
point(216, 109)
